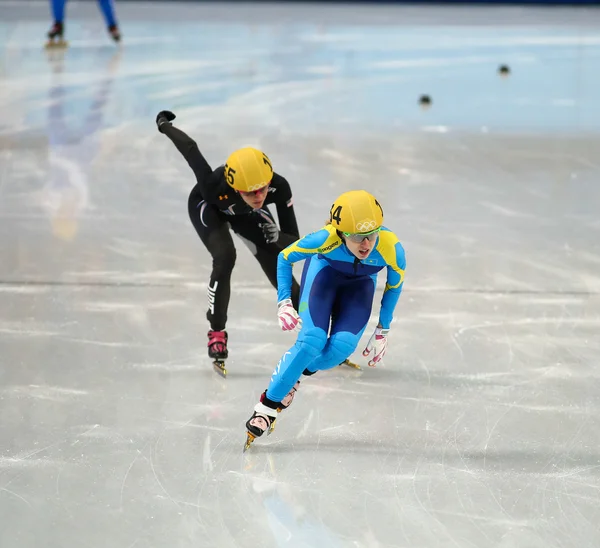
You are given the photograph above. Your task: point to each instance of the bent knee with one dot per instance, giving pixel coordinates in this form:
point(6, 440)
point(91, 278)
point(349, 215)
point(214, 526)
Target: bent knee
point(312, 340)
point(343, 344)
point(224, 261)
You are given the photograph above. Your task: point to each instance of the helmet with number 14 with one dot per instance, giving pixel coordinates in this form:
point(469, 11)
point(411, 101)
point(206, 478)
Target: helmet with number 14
point(356, 212)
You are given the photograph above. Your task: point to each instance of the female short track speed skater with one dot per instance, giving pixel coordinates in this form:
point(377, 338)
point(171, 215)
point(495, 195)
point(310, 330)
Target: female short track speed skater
point(336, 296)
point(235, 194)
point(57, 31)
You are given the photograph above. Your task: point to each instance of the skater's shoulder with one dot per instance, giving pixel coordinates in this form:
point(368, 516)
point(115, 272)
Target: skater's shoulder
point(389, 246)
point(322, 241)
point(215, 183)
point(216, 190)
point(279, 181)
point(279, 191)
point(387, 237)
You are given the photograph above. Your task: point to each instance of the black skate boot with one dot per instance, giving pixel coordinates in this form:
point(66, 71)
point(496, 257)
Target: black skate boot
point(217, 350)
point(55, 36)
point(114, 32)
point(262, 420)
point(265, 414)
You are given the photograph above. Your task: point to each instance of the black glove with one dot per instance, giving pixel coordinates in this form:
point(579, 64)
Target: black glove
point(269, 228)
point(164, 117)
point(270, 232)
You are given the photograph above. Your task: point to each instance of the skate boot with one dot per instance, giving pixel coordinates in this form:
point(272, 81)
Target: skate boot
point(265, 415)
point(55, 36)
point(217, 350)
point(262, 420)
point(113, 30)
point(257, 425)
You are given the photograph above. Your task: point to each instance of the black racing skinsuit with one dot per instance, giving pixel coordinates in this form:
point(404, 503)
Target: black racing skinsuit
point(214, 206)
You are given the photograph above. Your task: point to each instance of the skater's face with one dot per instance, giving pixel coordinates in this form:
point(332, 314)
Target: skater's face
point(361, 245)
point(255, 199)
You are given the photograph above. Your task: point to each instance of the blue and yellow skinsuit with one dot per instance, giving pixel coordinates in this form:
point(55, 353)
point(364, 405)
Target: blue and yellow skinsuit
point(336, 297)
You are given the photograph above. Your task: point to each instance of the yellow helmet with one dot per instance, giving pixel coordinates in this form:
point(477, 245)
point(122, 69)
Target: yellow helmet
point(248, 169)
point(356, 212)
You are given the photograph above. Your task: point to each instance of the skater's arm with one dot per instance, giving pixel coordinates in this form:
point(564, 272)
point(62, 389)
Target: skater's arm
point(393, 252)
point(321, 241)
point(285, 211)
point(185, 144)
point(189, 150)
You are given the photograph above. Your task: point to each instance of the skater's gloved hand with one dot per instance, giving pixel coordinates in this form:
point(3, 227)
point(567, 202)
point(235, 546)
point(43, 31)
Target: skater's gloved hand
point(378, 345)
point(288, 317)
point(270, 232)
point(269, 227)
point(164, 117)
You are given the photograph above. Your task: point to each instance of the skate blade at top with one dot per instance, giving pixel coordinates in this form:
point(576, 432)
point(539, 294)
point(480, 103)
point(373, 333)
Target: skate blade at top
point(219, 367)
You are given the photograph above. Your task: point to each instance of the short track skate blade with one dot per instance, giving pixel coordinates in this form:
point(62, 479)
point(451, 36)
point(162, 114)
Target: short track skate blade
point(56, 44)
point(272, 427)
point(219, 367)
point(249, 439)
point(351, 364)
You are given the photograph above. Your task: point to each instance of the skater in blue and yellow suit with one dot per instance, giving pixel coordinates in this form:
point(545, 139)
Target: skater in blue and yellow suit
point(338, 285)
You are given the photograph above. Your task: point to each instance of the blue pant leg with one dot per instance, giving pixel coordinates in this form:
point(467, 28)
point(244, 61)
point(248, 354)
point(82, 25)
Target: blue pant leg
point(353, 304)
point(319, 286)
point(108, 11)
point(58, 10)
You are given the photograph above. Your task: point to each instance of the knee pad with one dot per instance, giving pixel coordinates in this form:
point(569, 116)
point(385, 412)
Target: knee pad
point(341, 345)
point(312, 341)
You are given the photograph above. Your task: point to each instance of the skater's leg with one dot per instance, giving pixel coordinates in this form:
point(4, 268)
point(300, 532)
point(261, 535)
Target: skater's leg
point(108, 11)
point(319, 284)
point(56, 32)
point(58, 10)
point(351, 312)
point(214, 233)
point(318, 294)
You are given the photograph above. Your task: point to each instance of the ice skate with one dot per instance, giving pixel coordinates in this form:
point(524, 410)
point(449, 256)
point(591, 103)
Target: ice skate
point(257, 425)
point(114, 32)
point(55, 37)
point(263, 419)
point(217, 350)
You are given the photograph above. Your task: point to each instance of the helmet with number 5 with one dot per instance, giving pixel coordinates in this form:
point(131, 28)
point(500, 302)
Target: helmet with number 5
point(248, 169)
point(356, 212)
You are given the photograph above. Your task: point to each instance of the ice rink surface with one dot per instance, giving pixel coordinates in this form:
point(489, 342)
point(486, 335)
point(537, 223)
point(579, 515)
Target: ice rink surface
point(482, 429)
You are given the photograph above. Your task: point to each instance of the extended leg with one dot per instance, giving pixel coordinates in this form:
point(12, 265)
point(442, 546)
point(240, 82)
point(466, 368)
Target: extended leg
point(214, 233)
